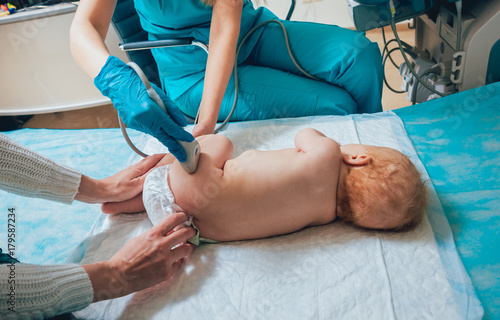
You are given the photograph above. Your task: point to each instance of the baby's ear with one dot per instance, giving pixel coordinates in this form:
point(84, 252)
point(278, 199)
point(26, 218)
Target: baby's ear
point(356, 159)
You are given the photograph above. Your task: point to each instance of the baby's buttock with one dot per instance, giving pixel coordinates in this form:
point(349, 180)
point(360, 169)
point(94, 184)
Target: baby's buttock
point(195, 192)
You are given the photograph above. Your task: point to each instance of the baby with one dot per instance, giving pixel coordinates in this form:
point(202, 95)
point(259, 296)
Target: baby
point(265, 193)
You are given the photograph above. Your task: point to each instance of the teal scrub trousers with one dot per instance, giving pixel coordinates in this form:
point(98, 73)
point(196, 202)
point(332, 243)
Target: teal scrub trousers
point(271, 86)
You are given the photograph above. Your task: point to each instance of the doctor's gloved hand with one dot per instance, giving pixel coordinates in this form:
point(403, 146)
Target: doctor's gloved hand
point(122, 85)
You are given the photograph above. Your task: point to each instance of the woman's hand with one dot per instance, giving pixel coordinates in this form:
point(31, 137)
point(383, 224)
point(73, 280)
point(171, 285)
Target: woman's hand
point(144, 261)
point(123, 186)
point(135, 204)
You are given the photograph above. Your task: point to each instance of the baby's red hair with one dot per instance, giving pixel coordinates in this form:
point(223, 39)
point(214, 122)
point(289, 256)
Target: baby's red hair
point(387, 190)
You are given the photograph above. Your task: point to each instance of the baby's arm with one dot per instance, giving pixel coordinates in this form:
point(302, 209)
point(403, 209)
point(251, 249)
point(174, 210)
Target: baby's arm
point(310, 139)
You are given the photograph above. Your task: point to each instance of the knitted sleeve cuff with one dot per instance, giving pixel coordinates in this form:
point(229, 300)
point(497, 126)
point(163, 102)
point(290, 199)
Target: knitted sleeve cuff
point(62, 184)
point(45, 291)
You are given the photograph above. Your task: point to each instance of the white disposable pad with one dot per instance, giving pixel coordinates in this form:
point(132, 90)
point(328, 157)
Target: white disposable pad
point(328, 272)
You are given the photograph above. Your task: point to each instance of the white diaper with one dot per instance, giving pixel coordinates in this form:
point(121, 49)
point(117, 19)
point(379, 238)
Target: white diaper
point(159, 201)
point(158, 198)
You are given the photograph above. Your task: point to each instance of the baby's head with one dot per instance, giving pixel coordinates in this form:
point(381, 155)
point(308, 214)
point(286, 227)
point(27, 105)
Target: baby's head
point(379, 188)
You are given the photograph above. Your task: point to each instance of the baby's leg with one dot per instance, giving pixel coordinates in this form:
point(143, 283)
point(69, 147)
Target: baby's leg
point(216, 149)
point(158, 195)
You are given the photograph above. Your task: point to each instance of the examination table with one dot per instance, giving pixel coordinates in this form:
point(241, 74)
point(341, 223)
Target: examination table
point(456, 138)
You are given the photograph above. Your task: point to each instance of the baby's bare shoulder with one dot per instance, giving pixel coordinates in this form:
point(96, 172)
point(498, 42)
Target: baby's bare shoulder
point(325, 150)
point(321, 163)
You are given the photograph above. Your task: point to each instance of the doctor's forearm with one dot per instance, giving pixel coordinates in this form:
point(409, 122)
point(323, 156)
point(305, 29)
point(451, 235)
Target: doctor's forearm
point(88, 50)
point(224, 32)
point(216, 79)
point(88, 32)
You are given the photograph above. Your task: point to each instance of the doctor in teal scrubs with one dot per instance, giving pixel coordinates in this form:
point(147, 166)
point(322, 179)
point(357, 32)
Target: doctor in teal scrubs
point(270, 85)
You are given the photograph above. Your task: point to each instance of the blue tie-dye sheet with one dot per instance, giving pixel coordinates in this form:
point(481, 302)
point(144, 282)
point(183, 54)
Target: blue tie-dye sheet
point(458, 140)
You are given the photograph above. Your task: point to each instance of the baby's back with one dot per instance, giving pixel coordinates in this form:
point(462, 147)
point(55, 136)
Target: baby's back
point(260, 194)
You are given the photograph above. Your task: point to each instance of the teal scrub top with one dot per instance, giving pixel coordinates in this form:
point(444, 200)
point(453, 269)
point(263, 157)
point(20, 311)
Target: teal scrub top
point(181, 67)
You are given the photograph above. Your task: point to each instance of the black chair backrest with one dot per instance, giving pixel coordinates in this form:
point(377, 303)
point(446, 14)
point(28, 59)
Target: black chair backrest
point(128, 28)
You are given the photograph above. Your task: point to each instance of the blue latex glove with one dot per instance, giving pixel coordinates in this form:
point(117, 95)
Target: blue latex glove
point(122, 85)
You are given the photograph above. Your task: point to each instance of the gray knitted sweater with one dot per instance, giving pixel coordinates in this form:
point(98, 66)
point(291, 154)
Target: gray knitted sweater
point(33, 291)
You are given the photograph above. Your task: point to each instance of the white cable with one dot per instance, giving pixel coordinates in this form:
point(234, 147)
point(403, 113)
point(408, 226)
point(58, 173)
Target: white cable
point(287, 43)
point(151, 92)
point(127, 138)
point(458, 5)
point(458, 48)
point(435, 69)
point(191, 149)
point(393, 26)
